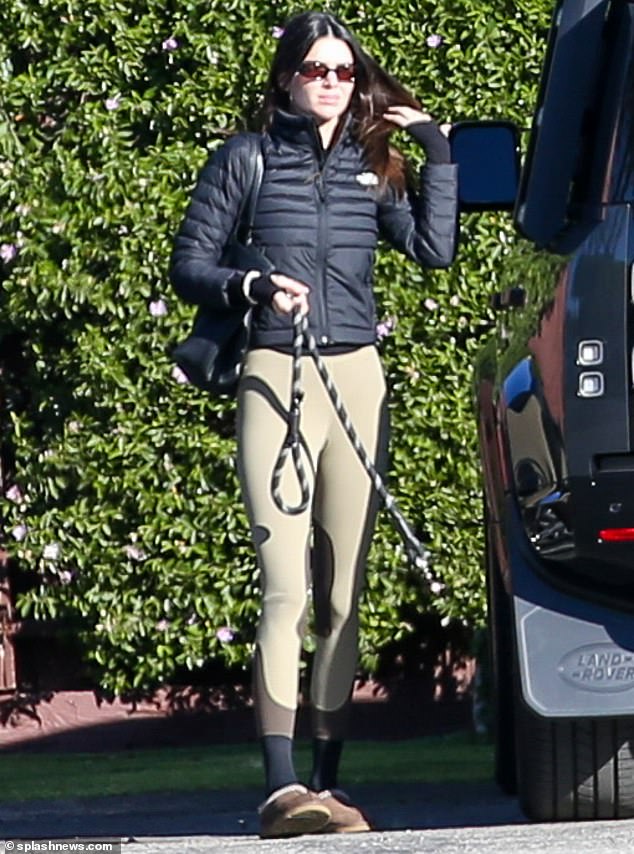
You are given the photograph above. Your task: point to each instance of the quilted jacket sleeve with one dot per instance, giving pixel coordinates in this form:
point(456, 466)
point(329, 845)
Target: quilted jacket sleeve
point(209, 222)
point(425, 227)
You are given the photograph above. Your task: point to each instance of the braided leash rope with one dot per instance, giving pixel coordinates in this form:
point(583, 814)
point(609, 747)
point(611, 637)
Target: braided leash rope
point(292, 442)
point(416, 552)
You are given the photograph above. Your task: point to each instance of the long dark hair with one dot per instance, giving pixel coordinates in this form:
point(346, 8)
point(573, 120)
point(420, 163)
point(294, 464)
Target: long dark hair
point(375, 90)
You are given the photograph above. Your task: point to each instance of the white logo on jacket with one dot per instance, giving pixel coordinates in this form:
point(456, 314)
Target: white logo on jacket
point(368, 179)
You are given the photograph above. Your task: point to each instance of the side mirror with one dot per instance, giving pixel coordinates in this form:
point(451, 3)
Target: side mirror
point(487, 154)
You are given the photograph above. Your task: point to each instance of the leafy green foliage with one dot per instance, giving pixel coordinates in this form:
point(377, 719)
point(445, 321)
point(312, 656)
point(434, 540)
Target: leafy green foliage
point(123, 496)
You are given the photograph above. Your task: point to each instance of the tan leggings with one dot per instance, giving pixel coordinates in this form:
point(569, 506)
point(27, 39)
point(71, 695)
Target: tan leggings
point(326, 545)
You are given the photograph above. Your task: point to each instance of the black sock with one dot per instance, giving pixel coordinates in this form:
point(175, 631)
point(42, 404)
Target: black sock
point(278, 762)
point(326, 755)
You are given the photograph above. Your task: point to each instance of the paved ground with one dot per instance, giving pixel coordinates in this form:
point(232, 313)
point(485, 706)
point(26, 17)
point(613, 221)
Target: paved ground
point(444, 818)
point(518, 839)
point(392, 807)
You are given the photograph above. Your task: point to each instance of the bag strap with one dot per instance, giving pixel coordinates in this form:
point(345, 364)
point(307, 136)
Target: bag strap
point(255, 176)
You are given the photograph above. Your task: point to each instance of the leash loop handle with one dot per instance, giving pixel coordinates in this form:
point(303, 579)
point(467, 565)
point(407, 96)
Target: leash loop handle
point(292, 443)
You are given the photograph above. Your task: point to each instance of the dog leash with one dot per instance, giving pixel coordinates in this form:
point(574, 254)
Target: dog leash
point(416, 552)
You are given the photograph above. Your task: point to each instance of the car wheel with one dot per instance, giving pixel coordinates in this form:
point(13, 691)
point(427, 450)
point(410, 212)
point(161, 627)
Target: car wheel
point(570, 769)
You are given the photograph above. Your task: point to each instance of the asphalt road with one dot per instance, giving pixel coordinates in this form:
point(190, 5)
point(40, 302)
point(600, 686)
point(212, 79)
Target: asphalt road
point(537, 839)
point(444, 818)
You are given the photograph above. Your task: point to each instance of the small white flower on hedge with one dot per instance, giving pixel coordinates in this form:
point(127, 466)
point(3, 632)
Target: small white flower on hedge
point(170, 44)
point(434, 40)
point(134, 552)
point(385, 327)
point(225, 634)
point(52, 551)
point(113, 103)
point(8, 252)
point(14, 493)
point(19, 532)
point(158, 308)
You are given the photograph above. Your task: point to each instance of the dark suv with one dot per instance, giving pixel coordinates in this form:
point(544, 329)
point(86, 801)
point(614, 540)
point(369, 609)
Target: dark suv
point(555, 399)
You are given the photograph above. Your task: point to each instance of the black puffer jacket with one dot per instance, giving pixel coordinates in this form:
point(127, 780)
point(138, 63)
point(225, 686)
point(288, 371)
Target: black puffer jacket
point(318, 218)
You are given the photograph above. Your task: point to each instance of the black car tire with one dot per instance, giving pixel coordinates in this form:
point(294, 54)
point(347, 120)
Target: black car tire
point(560, 768)
point(572, 769)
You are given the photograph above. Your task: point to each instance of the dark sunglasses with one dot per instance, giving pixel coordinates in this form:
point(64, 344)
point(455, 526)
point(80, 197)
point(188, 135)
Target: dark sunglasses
point(313, 70)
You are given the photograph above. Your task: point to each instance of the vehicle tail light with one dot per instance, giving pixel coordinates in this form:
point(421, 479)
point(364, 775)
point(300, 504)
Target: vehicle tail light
point(617, 535)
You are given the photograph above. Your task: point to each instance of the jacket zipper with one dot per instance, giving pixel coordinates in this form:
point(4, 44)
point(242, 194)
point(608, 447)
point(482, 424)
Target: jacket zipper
point(322, 248)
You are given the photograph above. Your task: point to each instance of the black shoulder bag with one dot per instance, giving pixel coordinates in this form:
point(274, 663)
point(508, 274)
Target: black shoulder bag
point(211, 356)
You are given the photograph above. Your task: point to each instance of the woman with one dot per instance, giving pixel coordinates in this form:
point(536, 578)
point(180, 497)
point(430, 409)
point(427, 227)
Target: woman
point(331, 186)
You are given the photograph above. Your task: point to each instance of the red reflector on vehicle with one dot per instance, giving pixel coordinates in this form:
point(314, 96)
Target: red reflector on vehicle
point(616, 535)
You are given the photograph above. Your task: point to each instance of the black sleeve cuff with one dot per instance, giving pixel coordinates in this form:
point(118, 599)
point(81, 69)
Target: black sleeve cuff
point(433, 140)
point(262, 289)
point(235, 294)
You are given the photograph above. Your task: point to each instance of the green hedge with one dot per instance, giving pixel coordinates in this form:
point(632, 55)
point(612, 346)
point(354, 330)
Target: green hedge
point(121, 498)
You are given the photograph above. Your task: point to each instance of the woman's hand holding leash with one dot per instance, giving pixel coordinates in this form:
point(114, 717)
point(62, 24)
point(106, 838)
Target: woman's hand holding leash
point(281, 292)
point(291, 294)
